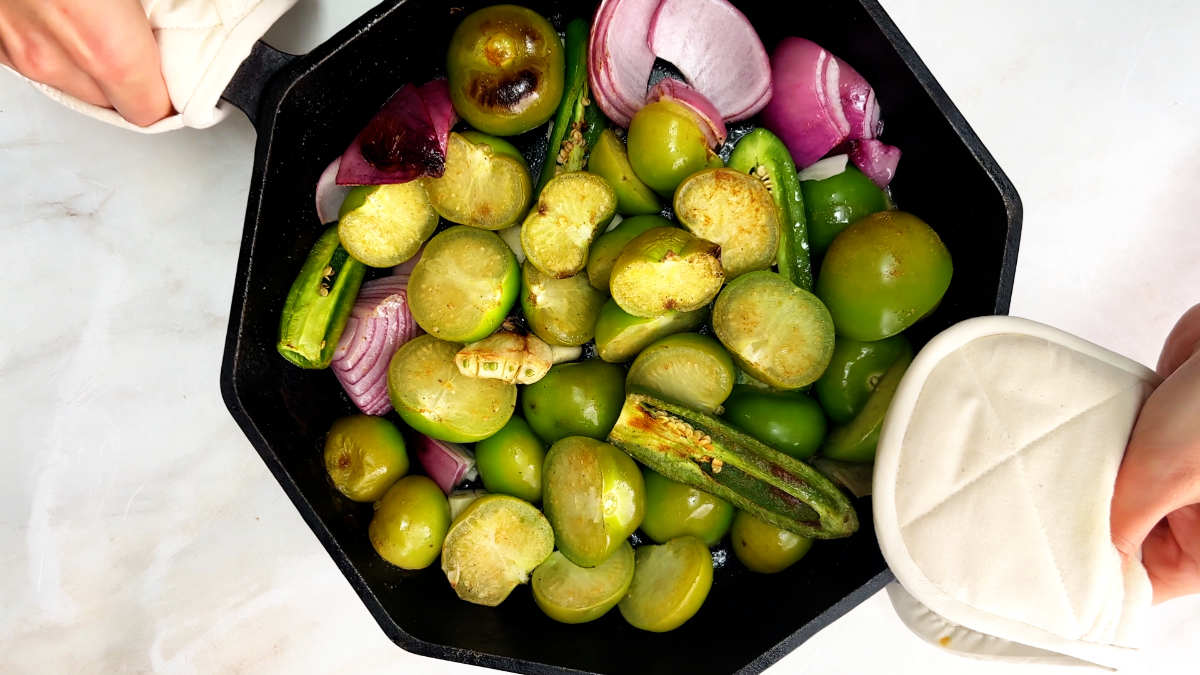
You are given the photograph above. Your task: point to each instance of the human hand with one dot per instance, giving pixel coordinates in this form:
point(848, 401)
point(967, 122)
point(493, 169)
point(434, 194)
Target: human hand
point(1156, 503)
point(99, 51)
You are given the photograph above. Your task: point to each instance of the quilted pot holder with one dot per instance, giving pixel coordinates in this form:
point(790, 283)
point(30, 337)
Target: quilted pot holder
point(993, 481)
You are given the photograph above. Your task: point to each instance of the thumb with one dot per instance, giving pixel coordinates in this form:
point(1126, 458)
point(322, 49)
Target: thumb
point(1161, 469)
point(1136, 506)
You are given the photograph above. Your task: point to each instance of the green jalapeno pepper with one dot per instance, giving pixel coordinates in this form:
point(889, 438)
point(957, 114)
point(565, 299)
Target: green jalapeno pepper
point(579, 122)
point(696, 449)
point(319, 303)
point(761, 154)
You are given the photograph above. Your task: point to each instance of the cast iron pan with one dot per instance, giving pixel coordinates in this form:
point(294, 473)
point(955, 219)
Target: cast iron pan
point(308, 108)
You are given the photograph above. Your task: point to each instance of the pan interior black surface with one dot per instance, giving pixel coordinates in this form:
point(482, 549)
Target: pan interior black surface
point(309, 114)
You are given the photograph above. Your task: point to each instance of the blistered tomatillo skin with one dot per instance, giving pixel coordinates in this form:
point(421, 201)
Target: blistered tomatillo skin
point(364, 456)
point(505, 69)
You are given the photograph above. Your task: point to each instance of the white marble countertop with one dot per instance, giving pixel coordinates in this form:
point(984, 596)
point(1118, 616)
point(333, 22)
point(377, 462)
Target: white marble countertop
point(140, 532)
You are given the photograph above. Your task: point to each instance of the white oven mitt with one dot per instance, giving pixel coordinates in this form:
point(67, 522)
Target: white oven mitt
point(993, 481)
point(202, 43)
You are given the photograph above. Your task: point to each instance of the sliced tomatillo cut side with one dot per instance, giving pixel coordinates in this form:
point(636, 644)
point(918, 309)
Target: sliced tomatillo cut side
point(593, 495)
point(777, 332)
point(492, 547)
point(560, 311)
point(691, 369)
point(666, 269)
point(569, 213)
point(486, 183)
point(464, 284)
point(735, 211)
point(432, 397)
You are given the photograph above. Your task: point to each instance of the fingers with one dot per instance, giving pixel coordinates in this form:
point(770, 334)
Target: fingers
point(1161, 469)
point(38, 57)
point(1171, 554)
point(114, 45)
point(1182, 343)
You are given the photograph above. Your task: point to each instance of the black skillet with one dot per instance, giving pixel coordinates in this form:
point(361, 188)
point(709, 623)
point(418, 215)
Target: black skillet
point(308, 108)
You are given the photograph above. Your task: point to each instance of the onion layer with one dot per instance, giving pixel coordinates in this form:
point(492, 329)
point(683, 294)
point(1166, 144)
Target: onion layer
point(448, 464)
point(737, 76)
point(627, 36)
point(379, 323)
point(619, 58)
point(876, 159)
point(330, 195)
point(858, 102)
point(806, 109)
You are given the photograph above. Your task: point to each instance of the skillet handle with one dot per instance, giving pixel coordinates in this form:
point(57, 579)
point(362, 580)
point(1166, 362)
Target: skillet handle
point(246, 88)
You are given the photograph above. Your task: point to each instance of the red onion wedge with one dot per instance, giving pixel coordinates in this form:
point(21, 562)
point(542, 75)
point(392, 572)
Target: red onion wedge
point(876, 159)
point(330, 195)
point(717, 49)
point(379, 323)
point(669, 89)
point(858, 102)
point(403, 141)
point(448, 464)
point(619, 58)
point(806, 109)
point(435, 98)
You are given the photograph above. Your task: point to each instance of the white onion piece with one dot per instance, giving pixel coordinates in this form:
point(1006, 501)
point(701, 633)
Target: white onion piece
point(330, 195)
point(806, 109)
point(826, 168)
point(448, 464)
point(379, 323)
point(619, 58)
point(858, 102)
point(876, 159)
point(512, 237)
point(717, 49)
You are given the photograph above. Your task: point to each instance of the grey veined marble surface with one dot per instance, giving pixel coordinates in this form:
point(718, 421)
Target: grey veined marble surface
point(140, 532)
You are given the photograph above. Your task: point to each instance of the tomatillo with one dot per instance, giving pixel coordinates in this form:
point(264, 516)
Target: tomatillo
point(575, 399)
point(882, 274)
point(835, 203)
point(593, 495)
point(854, 372)
point(510, 461)
point(789, 422)
point(674, 509)
point(505, 70)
